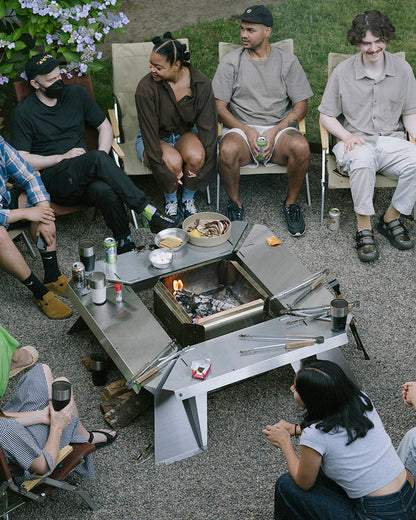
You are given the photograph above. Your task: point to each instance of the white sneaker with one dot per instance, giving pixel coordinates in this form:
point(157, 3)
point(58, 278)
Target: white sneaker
point(188, 207)
point(171, 208)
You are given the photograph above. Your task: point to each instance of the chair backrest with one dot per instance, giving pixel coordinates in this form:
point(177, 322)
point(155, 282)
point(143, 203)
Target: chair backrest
point(23, 89)
point(335, 58)
point(130, 64)
point(225, 47)
point(5, 474)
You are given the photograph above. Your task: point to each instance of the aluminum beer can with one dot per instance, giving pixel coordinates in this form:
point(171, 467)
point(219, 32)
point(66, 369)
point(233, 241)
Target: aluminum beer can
point(78, 276)
point(110, 250)
point(334, 214)
point(261, 141)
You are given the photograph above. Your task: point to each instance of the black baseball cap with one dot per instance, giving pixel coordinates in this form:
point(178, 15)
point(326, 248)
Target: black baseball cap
point(257, 14)
point(41, 64)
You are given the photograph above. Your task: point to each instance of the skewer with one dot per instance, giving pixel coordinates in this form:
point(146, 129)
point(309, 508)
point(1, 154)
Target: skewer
point(287, 337)
point(287, 346)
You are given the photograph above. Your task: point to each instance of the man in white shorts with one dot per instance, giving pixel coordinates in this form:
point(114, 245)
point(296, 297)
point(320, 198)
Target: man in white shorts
point(262, 90)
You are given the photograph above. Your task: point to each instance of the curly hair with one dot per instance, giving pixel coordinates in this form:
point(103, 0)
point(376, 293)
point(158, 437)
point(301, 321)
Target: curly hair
point(377, 23)
point(172, 49)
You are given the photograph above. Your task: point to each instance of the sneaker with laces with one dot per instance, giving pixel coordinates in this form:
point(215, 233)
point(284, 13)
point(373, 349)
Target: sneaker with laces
point(171, 209)
point(294, 220)
point(162, 221)
point(188, 207)
point(234, 212)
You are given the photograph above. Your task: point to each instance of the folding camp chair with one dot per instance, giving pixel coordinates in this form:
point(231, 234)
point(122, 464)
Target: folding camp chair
point(223, 49)
point(130, 64)
point(39, 488)
point(330, 176)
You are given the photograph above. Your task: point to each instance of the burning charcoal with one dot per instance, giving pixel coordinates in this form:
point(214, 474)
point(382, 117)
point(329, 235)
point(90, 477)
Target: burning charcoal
point(200, 306)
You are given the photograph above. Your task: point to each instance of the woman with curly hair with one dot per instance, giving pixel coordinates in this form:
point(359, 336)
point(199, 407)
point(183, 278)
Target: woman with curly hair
point(178, 124)
point(347, 468)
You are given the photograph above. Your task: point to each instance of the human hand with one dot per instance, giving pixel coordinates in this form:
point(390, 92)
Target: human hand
point(350, 142)
point(267, 150)
point(48, 232)
point(277, 435)
point(190, 174)
point(39, 213)
point(290, 427)
point(409, 394)
point(62, 418)
point(74, 152)
point(252, 139)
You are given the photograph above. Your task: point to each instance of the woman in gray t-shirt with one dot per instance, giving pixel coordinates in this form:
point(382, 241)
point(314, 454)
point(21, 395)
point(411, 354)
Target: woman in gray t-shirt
point(347, 467)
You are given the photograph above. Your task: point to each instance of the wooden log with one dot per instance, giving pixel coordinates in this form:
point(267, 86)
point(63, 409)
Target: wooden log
point(126, 407)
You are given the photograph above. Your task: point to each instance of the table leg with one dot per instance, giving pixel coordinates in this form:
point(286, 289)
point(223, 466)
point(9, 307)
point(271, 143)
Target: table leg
point(335, 355)
point(180, 426)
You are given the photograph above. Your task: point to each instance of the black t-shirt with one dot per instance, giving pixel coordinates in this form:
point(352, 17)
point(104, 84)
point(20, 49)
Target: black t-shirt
point(42, 130)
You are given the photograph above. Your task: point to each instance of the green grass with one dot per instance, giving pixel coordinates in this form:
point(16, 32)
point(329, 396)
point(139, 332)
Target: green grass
point(317, 28)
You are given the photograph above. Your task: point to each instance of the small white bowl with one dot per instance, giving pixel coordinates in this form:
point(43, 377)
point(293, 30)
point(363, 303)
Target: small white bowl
point(161, 258)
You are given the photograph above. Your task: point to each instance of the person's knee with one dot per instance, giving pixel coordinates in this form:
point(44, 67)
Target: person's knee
point(47, 371)
point(229, 153)
point(298, 149)
point(283, 484)
point(99, 192)
point(195, 159)
point(4, 237)
point(61, 378)
point(174, 162)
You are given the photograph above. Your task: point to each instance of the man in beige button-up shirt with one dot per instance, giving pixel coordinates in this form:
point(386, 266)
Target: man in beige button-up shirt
point(368, 105)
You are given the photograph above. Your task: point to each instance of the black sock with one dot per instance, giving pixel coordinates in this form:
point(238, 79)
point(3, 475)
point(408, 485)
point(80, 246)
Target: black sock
point(125, 245)
point(36, 286)
point(50, 265)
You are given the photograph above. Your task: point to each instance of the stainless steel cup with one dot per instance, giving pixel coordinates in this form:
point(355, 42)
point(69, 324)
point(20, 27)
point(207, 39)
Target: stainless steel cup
point(339, 313)
point(86, 254)
point(97, 283)
point(98, 368)
point(61, 394)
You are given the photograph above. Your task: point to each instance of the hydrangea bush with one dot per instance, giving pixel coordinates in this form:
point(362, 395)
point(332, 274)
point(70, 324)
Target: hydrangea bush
point(68, 30)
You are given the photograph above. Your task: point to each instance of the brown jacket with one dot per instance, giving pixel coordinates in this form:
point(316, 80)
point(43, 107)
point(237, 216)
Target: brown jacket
point(160, 114)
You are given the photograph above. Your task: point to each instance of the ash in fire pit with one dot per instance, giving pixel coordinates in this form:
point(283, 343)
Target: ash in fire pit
point(202, 305)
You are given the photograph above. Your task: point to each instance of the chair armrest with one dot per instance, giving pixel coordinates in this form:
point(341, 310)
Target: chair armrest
point(27, 485)
point(302, 126)
point(412, 139)
point(117, 150)
point(324, 137)
point(114, 122)
point(219, 130)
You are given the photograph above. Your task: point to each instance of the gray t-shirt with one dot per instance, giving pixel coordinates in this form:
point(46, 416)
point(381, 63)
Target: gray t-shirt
point(365, 465)
point(370, 108)
point(260, 92)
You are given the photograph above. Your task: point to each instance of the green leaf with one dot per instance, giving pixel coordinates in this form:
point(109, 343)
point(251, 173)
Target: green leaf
point(17, 33)
point(19, 45)
point(6, 68)
point(94, 66)
point(3, 9)
point(70, 56)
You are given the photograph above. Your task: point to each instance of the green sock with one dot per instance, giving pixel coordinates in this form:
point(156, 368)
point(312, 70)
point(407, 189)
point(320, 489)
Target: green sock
point(149, 211)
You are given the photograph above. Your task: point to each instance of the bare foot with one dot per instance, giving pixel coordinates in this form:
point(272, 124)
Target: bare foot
point(21, 358)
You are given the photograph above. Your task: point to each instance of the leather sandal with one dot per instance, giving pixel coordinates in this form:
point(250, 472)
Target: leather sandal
point(396, 233)
point(58, 286)
point(366, 246)
point(52, 306)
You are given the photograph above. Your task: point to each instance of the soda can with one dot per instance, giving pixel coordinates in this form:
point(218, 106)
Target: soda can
point(262, 142)
point(334, 214)
point(110, 250)
point(78, 276)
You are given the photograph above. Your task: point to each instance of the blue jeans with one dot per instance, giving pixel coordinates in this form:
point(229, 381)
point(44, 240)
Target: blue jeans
point(327, 501)
point(172, 140)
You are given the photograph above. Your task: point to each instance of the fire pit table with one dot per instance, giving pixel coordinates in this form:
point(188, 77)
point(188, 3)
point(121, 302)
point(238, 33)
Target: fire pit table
point(132, 336)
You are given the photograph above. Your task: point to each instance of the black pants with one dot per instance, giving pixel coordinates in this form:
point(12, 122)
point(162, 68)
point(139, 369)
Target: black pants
point(95, 179)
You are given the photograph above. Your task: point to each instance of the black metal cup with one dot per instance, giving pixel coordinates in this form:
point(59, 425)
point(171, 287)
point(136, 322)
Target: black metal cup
point(339, 313)
point(61, 394)
point(86, 254)
point(98, 368)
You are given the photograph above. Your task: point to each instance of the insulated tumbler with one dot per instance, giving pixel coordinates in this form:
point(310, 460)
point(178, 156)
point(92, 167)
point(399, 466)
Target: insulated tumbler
point(61, 394)
point(339, 313)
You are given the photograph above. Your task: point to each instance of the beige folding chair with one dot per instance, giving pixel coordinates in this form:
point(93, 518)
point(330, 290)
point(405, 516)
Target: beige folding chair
point(223, 49)
point(337, 180)
point(130, 64)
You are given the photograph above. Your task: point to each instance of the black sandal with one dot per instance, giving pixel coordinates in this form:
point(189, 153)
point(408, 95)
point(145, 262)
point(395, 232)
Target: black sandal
point(98, 445)
point(366, 246)
point(396, 233)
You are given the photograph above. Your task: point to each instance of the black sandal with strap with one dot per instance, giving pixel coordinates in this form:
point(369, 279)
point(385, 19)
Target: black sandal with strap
point(366, 246)
point(396, 233)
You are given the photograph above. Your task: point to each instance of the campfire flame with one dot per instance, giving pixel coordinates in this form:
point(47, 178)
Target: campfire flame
point(177, 286)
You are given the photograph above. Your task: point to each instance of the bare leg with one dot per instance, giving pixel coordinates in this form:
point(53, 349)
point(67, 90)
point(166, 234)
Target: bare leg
point(11, 260)
point(293, 149)
point(174, 162)
point(193, 156)
point(234, 153)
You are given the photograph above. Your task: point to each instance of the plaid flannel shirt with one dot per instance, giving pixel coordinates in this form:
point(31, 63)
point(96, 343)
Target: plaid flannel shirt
point(12, 165)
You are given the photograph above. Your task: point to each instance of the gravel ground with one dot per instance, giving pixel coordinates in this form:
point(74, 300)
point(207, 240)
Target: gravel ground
point(234, 478)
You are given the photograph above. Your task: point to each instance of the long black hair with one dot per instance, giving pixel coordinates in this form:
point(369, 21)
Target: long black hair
point(377, 23)
point(172, 49)
point(332, 400)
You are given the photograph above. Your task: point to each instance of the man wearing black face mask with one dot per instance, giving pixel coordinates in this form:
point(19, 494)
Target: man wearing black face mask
point(48, 130)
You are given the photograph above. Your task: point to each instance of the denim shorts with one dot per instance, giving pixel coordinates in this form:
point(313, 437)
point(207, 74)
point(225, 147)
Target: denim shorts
point(172, 140)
